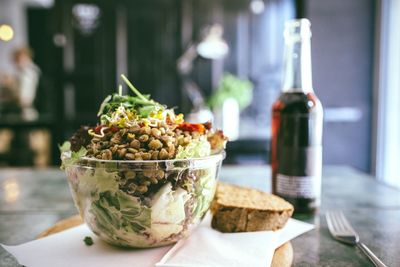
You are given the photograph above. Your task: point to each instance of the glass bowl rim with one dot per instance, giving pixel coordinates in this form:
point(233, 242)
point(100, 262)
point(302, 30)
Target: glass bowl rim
point(218, 157)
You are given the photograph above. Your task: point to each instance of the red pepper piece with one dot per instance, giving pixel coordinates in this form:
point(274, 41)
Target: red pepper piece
point(192, 127)
point(98, 128)
point(114, 129)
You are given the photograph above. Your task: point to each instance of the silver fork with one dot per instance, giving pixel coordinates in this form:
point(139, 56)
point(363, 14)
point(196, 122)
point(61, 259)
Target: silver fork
point(342, 231)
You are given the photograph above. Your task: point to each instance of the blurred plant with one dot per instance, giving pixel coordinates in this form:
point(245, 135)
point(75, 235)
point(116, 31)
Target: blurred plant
point(231, 86)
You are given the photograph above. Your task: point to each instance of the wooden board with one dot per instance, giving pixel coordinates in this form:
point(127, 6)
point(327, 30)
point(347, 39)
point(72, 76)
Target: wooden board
point(283, 256)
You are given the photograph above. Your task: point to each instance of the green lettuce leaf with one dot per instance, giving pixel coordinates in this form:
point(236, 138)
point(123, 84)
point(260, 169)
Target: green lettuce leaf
point(204, 191)
point(114, 209)
point(118, 211)
point(69, 157)
point(98, 182)
point(195, 149)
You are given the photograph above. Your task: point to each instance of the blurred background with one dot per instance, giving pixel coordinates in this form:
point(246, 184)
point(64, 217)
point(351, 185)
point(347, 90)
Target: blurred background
point(219, 59)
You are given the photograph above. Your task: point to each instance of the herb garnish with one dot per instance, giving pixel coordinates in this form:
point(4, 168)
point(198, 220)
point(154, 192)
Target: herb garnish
point(88, 241)
point(128, 107)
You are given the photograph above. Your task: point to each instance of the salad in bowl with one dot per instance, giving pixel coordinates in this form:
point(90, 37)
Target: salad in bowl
point(142, 177)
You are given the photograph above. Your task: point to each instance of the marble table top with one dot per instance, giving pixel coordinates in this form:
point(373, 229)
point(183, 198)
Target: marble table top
point(33, 200)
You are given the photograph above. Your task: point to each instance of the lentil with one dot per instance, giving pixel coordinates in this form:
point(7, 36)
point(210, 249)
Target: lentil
point(154, 155)
point(121, 152)
point(163, 154)
point(129, 156)
point(135, 144)
point(146, 156)
point(156, 132)
point(142, 189)
point(155, 144)
point(131, 136)
point(144, 138)
point(132, 150)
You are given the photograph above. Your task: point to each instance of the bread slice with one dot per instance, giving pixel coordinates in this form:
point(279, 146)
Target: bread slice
point(241, 209)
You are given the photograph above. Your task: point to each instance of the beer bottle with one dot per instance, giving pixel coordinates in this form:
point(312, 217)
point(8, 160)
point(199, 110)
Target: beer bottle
point(296, 145)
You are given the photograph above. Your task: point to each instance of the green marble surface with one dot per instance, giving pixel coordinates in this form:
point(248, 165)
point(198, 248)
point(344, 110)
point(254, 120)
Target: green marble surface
point(32, 200)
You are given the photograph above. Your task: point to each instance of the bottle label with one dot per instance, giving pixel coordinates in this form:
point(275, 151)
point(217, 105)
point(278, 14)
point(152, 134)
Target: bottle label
point(298, 186)
point(299, 172)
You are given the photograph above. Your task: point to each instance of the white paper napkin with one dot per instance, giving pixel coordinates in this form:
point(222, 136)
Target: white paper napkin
point(207, 247)
point(67, 249)
point(292, 229)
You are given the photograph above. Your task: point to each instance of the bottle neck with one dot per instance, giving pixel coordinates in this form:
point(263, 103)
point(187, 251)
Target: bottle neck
point(297, 75)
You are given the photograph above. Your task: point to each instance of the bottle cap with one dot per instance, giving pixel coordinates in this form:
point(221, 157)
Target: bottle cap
point(297, 29)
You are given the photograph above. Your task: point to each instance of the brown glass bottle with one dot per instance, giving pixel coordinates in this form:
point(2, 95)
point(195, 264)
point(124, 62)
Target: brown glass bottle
point(296, 143)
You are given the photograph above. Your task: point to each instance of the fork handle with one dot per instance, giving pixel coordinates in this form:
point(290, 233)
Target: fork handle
point(376, 261)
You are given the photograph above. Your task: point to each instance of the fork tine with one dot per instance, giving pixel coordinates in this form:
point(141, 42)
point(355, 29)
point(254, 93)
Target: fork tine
point(331, 223)
point(336, 226)
point(340, 226)
point(329, 220)
point(340, 222)
point(346, 223)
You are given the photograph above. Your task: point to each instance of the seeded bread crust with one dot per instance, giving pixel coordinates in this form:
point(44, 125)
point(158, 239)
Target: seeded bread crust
point(241, 209)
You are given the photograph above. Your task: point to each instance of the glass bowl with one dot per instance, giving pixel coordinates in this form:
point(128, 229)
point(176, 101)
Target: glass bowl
point(143, 203)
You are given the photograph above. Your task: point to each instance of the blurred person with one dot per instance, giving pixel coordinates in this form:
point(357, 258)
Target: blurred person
point(26, 81)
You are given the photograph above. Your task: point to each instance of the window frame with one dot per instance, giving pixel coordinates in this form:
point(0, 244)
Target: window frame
point(386, 134)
